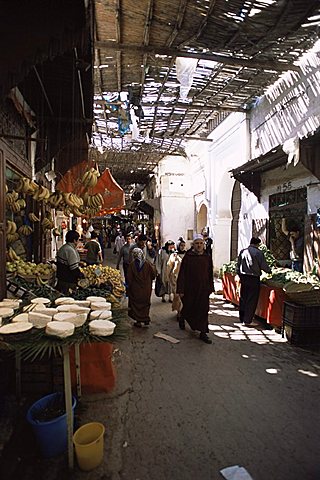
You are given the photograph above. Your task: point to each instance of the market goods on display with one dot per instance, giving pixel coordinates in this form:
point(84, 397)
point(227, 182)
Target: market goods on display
point(41, 272)
point(102, 328)
point(35, 334)
point(90, 178)
point(100, 315)
point(60, 329)
point(99, 275)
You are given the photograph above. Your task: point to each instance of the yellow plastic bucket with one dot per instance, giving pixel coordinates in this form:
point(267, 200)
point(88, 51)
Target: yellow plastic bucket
point(88, 443)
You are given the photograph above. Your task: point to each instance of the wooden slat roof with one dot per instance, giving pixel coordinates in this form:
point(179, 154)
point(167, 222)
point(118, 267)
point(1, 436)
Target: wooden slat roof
point(241, 47)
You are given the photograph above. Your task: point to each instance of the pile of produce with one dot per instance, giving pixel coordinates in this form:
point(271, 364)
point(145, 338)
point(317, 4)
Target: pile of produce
point(279, 277)
point(98, 275)
point(41, 272)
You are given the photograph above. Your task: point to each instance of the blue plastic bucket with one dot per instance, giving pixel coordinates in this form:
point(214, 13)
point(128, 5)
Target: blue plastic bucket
point(52, 435)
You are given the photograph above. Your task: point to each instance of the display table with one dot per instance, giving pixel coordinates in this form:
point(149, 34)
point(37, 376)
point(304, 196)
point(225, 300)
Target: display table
point(270, 303)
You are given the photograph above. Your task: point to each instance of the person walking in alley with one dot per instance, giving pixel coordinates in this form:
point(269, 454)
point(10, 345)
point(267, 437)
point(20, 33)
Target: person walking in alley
point(194, 285)
point(140, 275)
point(94, 252)
point(251, 261)
point(124, 256)
point(174, 264)
point(118, 243)
point(163, 269)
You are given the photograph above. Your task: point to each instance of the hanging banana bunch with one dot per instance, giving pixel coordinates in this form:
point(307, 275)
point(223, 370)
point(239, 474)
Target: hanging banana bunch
point(33, 217)
point(25, 230)
point(90, 178)
point(56, 200)
point(42, 194)
point(27, 186)
point(95, 201)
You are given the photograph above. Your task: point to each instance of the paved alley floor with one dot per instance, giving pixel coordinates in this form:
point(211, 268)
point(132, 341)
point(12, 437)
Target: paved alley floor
point(184, 411)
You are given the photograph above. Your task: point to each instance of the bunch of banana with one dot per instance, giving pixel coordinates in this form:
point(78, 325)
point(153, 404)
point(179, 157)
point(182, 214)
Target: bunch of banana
point(76, 212)
point(67, 211)
point(91, 212)
point(42, 194)
point(11, 255)
point(25, 230)
point(33, 217)
point(90, 178)
point(72, 200)
point(27, 186)
point(15, 207)
point(11, 227)
point(99, 275)
point(12, 197)
point(22, 203)
point(56, 199)
point(95, 201)
point(12, 237)
point(47, 223)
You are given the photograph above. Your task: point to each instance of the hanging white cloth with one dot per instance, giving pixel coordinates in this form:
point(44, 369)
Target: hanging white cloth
point(185, 68)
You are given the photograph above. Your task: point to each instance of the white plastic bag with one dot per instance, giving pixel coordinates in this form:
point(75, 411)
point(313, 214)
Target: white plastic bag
point(185, 68)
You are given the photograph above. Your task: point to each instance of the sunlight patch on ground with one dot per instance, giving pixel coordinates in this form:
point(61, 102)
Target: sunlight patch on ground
point(308, 373)
point(240, 332)
point(272, 371)
point(224, 313)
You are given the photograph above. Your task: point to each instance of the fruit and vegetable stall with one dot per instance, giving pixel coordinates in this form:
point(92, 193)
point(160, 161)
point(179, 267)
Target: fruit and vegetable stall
point(280, 287)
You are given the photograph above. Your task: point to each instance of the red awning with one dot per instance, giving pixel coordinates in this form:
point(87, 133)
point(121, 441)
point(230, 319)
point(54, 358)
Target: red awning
point(113, 194)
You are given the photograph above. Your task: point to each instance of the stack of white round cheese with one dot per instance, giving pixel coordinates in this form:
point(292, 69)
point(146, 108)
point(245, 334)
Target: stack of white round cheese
point(60, 329)
point(77, 319)
point(102, 328)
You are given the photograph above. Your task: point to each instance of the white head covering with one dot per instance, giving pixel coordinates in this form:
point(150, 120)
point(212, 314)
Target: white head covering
point(137, 254)
point(197, 236)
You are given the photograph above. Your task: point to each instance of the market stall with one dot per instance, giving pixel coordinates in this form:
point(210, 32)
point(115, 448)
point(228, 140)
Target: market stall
point(48, 326)
point(270, 303)
point(281, 286)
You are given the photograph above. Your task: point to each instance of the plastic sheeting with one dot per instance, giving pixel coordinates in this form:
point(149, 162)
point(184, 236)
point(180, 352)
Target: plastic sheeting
point(185, 68)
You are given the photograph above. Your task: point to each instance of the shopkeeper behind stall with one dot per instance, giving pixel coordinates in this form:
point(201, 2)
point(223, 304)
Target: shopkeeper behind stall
point(297, 245)
point(68, 260)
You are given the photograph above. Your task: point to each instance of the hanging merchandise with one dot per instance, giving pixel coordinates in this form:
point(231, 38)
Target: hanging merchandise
point(318, 218)
point(134, 126)
point(185, 68)
point(292, 148)
point(124, 121)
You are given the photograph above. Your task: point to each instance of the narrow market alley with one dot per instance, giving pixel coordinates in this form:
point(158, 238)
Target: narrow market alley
point(184, 411)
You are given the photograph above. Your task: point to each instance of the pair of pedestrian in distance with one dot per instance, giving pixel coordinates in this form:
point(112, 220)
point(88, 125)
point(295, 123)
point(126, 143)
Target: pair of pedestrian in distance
point(194, 286)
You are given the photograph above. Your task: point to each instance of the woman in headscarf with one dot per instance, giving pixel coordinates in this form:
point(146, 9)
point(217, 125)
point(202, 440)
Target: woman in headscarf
point(140, 275)
point(162, 267)
point(174, 264)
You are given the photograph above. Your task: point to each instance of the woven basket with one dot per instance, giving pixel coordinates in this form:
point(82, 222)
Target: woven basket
point(311, 297)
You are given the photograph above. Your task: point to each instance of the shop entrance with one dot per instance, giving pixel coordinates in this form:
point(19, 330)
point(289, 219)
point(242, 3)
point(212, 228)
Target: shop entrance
point(202, 218)
point(292, 206)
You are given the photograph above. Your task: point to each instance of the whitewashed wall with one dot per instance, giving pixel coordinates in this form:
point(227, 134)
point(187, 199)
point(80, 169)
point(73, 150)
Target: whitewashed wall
point(290, 108)
point(229, 149)
point(176, 202)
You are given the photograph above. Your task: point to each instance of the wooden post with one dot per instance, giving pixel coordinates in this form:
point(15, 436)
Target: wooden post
point(68, 400)
point(3, 283)
point(78, 373)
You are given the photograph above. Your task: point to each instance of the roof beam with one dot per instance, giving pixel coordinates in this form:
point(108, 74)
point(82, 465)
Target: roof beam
point(174, 52)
